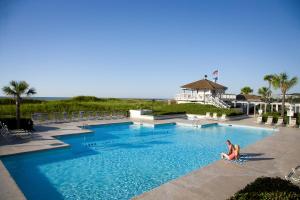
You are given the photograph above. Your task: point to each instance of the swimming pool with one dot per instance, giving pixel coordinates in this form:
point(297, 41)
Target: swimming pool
point(121, 161)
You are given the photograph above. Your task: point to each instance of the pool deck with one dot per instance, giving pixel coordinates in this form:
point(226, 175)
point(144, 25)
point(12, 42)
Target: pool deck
point(272, 156)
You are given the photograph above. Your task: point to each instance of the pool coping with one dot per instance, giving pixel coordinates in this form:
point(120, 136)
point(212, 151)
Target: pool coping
point(12, 191)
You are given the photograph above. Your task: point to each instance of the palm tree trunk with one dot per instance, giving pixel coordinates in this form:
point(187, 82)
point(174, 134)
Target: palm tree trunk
point(18, 112)
point(283, 104)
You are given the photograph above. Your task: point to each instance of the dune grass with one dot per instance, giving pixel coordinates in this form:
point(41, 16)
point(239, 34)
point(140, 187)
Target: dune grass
point(110, 105)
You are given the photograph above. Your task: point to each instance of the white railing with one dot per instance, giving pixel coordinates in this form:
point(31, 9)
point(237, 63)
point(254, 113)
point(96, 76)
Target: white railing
point(189, 97)
point(200, 98)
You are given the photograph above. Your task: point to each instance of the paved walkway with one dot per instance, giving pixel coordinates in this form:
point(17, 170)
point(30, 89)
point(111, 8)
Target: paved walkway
point(272, 156)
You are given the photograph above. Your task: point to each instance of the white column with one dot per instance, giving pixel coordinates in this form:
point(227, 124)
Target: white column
point(276, 107)
point(247, 108)
point(254, 109)
point(265, 107)
point(271, 107)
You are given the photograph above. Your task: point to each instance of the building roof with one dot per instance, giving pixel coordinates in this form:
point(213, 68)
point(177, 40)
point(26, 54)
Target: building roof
point(204, 84)
point(248, 97)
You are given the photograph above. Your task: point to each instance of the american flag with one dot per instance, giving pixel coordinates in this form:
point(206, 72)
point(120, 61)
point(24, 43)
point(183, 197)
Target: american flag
point(215, 73)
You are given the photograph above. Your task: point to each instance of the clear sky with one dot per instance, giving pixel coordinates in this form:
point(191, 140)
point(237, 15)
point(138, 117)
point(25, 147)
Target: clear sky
point(146, 48)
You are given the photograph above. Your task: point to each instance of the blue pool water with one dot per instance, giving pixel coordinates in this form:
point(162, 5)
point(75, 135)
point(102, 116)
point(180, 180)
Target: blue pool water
point(122, 160)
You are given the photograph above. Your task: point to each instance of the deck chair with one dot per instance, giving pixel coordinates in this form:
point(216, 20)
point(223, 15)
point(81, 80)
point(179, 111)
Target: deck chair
point(97, 115)
point(223, 117)
point(107, 116)
point(207, 116)
point(65, 117)
point(292, 122)
point(294, 175)
point(36, 118)
point(74, 116)
point(269, 120)
point(215, 116)
point(81, 115)
point(90, 115)
point(279, 121)
point(259, 120)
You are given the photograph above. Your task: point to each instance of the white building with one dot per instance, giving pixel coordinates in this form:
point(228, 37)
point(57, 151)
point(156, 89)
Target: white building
point(204, 92)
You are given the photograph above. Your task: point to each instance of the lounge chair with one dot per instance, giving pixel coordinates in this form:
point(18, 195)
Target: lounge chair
point(56, 117)
point(259, 120)
point(279, 122)
point(269, 120)
point(36, 118)
point(215, 116)
point(207, 116)
point(99, 115)
point(107, 116)
point(294, 175)
point(7, 134)
point(90, 115)
point(66, 117)
point(81, 115)
point(74, 116)
point(223, 117)
point(292, 122)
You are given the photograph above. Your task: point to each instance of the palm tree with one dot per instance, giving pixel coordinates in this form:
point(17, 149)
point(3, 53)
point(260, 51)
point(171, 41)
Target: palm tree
point(282, 82)
point(17, 89)
point(269, 78)
point(246, 90)
point(264, 92)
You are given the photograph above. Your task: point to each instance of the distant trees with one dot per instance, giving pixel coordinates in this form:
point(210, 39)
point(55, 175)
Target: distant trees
point(17, 89)
point(246, 90)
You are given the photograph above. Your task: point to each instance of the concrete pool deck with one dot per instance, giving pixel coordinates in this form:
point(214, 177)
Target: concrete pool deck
point(272, 156)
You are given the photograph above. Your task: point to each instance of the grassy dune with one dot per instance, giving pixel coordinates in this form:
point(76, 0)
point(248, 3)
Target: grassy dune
point(109, 105)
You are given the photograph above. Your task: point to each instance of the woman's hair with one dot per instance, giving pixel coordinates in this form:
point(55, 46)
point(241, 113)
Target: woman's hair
point(237, 148)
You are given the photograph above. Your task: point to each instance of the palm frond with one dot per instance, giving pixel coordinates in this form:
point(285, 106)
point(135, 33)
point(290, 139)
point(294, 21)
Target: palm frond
point(8, 91)
point(292, 82)
point(269, 77)
point(276, 82)
point(22, 87)
point(31, 91)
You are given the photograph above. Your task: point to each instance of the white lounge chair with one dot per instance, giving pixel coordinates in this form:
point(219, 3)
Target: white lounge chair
point(294, 175)
point(279, 122)
point(81, 115)
point(292, 122)
point(223, 117)
point(74, 116)
point(259, 120)
point(215, 116)
point(269, 120)
point(207, 116)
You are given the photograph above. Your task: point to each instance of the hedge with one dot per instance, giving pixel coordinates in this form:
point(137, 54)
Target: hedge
point(11, 123)
point(277, 114)
point(264, 188)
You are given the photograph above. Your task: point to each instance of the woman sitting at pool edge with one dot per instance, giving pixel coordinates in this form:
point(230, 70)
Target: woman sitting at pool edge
point(234, 154)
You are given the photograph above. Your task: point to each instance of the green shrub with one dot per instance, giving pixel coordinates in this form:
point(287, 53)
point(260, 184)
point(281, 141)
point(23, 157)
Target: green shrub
point(264, 188)
point(11, 123)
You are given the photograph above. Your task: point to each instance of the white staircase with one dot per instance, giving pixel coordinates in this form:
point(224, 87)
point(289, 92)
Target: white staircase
point(217, 102)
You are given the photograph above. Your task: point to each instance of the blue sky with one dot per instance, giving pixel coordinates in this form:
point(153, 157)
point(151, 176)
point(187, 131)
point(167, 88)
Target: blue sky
point(146, 48)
